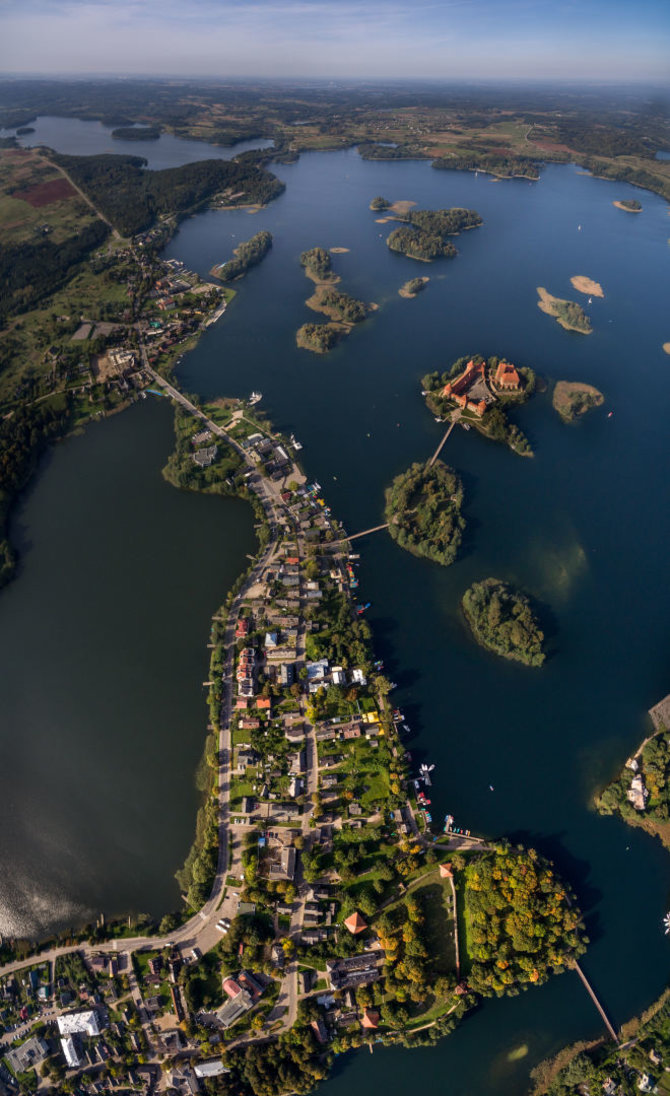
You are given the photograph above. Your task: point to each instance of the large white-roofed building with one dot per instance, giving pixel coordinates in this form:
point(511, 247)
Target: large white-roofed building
point(86, 1022)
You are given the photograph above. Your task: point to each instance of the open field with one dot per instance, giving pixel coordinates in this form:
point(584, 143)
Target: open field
point(36, 200)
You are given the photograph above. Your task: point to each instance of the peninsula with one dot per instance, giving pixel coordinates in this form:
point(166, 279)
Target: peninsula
point(629, 205)
point(573, 399)
point(475, 393)
point(568, 314)
point(640, 794)
point(327, 915)
point(423, 509)
point(502, 620)
point(247, 254)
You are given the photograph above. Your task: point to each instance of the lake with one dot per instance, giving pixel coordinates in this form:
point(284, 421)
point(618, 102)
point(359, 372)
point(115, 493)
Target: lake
point(583, 526)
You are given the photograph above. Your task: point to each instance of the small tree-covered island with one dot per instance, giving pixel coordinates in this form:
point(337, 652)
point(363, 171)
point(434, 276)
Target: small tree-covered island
point(423, 509)
point(502, 620)
point(413, 287)
point(572, 399)
point(475, 392)
point(568, 314)
point(425, 234)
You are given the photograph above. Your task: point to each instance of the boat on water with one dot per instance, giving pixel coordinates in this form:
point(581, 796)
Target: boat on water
point(424, 772)
point(465, 425)
point(255, 397)
point(610, 415)
point(666, 922)
point(297, 445)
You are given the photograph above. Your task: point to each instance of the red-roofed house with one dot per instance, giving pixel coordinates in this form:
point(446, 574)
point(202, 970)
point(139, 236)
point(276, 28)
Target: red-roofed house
point(507, 377)
point(264, 703)
point(446, 872)
point(370, 1018)
point(355, 923)
point(231, 987)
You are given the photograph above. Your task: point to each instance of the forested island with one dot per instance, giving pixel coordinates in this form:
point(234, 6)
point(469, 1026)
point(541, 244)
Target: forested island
point(131, 196)
point(423, 509)
point(629, 205)
point(521, 923)
point(478, 391)
point(502, 620)
point(424, 235)
point(379, 204)
point(568, 314)
point(248, 254)
point(572, 399)
point(413, 287)
point(318, 337)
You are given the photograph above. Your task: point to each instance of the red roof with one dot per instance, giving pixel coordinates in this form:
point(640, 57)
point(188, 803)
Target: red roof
point(355, 923)
point(370, 1018)
point(264, 702)
point(231, 987)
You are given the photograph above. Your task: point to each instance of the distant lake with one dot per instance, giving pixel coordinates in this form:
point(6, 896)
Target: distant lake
point(584, 526)
point(86, 138)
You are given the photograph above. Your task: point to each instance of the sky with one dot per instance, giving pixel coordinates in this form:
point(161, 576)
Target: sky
point(614, 40)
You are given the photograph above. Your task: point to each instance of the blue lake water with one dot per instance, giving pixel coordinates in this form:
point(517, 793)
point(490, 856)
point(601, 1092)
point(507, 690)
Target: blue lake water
point(87, 138)
point(584, 526)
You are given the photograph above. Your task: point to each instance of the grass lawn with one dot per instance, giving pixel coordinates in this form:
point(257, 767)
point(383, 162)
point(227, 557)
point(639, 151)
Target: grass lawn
point(435, 898)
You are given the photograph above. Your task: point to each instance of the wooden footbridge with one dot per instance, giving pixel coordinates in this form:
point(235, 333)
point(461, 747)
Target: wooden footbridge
point(592, 994)
point(437, 452)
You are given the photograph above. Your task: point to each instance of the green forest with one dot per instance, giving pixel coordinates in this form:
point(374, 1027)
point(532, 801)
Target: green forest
point(132, 197)
point(24, 435)
point(317, 263)
point(504, 165)
point(424, 236)
point(248, 254)
point(319, 337)
point(502, 620)
point(423, 509)
point(522, 923)
point(30, 271)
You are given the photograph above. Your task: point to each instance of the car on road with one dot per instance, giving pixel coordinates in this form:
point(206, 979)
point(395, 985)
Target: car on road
point(223, 925)
point(196, 954)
